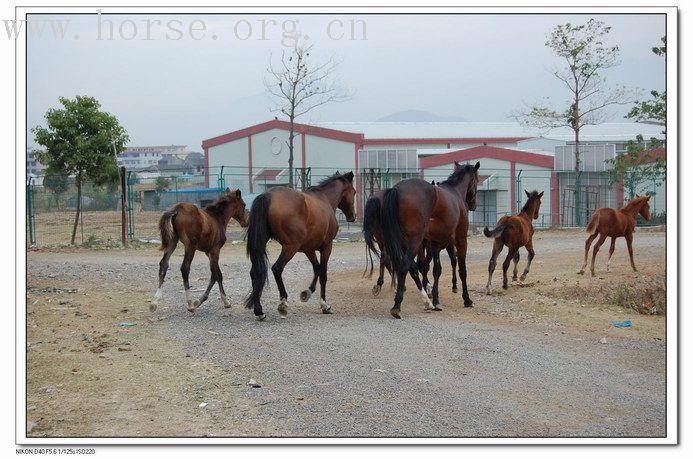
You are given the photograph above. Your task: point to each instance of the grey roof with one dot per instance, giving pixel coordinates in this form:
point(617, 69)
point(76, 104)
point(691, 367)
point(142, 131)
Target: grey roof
point(612, 132)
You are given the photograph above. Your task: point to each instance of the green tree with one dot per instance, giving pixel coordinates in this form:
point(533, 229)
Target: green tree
point(638, 166)
point(585, 54)
point(161, 184)
point(82, 141)
point(56, 181)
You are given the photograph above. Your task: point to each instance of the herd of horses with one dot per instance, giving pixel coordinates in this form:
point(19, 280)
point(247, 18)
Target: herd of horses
point(406, 227)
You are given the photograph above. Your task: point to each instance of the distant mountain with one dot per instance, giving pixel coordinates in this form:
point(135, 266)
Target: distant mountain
point(417, 116)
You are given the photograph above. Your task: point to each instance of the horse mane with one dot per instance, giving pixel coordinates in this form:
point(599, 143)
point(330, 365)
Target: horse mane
point(457, 176)
point(217, 207)
point(327, 180)
point(533, 196)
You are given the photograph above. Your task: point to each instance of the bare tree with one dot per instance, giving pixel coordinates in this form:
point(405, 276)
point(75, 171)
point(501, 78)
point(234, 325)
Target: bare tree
point(298, 85)
point(586, 55)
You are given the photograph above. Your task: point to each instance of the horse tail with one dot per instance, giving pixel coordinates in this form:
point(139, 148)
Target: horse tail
point(495, 232)
point(258, 234)
point(166, 229)
point(593, 224)
point(371, 221)
point(392, 232)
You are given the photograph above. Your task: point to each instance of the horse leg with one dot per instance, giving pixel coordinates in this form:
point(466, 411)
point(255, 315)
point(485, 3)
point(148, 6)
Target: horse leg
point(453, 263)
point(506, 265)
point(516, 260)
point(629, 242)
point(306, 294)
point(423, 262)
point(414, 273)
point(213, 268)
point(163, 268)
point(599, 243)
point(497, 247)
point(530, 257)
point(611, 252)
point(588, 242)
point(381, 277)
point(185, 271)
point(324, 258)
point(285, 256)
point(399, 295)
point(437, 270)
point(462, 267)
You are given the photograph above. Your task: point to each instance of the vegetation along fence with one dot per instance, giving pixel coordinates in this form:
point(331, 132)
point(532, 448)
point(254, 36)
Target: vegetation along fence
point(132, 209)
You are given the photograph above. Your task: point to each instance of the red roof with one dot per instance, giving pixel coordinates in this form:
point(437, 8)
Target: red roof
point(485, 151)
point(279, 124)
point(268, 174)
point(345, 136)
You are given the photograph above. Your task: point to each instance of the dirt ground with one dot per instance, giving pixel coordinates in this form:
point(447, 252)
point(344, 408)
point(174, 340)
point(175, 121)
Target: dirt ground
point(540, 359)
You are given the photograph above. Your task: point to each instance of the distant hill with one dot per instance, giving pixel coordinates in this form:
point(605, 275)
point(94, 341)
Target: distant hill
point(417, 116)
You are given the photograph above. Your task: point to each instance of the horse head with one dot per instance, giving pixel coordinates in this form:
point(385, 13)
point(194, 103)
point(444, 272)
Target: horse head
point(346, 201)
point(533, 203)
point(645, 206)
point(231, 205)
point(470, 195)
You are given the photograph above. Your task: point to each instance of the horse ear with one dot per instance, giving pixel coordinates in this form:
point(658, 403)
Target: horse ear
point(527, 193)
point(457, 164)
point(238, 193)
point(648, 197)
point(349, 176)
point(227, 191)
point(477, 166)
point(541, 194)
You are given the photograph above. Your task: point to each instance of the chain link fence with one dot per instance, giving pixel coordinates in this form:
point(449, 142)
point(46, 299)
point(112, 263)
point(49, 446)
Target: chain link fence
point(51, 209)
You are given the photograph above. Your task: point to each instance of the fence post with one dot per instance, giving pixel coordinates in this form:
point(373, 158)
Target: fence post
point(130, 198)
point(30, 210)
point(220, 180)
point(123, 218)
point(518, 192)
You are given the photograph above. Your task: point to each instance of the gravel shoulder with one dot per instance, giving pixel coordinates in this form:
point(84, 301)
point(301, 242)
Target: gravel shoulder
point(530, 361)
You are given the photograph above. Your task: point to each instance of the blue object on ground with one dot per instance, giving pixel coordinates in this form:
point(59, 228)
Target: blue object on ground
point(624, 324)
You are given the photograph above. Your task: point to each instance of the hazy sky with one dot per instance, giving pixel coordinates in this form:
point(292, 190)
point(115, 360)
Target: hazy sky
point(167, 91)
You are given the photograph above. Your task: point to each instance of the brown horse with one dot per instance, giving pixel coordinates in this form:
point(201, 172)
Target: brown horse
point(203, 230)
point(373, 235)
point(300, 222)
point(414, 210)
point(515, 232)
point(606, 222)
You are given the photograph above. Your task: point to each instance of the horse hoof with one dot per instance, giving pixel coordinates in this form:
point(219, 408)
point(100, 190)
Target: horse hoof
point(523, 277)
point(327, 311)
point(436, 308)
point(282, 310)
point(395, 313)
point(454, 290)
point(152, 307)
point(468, 303)
point(593, 274)
point(227, 305)
point(376, 289)
point(505, 286)
point(260, 318)
point(582, 271)
point(305, 295)
point(196, 304)
point(488, 291)
point(515, 279)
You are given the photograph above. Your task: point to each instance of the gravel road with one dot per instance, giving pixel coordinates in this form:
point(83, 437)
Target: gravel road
point(358, 372)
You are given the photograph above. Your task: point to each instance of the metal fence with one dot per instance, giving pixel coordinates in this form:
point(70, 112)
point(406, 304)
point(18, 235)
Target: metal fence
point(51, 212)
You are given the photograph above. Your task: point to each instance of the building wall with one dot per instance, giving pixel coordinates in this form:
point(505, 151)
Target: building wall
point(326, 156)
point(499, 173)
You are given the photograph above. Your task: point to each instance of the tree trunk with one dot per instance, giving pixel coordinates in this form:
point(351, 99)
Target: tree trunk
point(291, 152)
point(576, 198)
point(79, 208)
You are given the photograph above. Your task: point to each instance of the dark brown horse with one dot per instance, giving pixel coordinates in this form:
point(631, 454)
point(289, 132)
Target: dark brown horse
point(515, 232)
point(606, 222)
point(373, 235)
point(203, 230)
point(414, 210)
point(300, 222)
